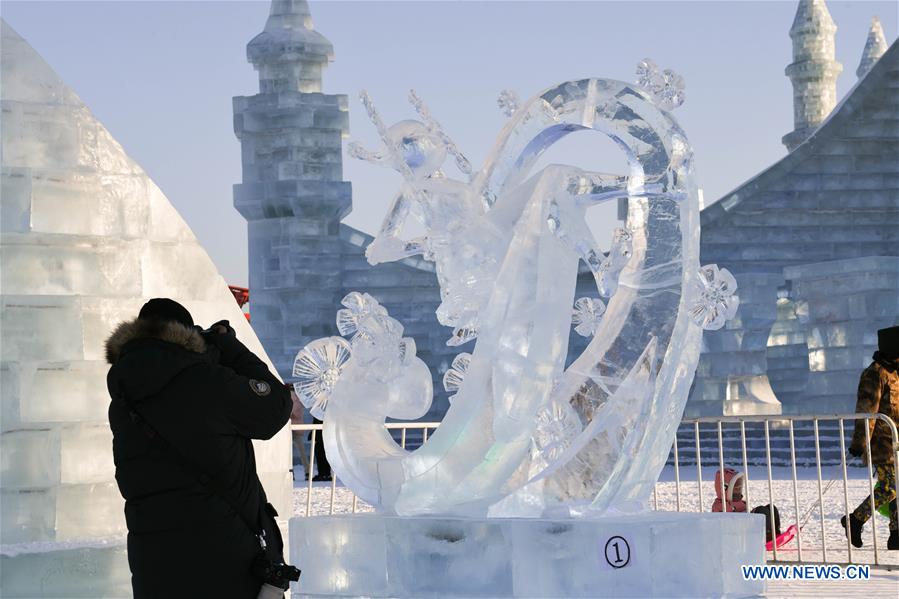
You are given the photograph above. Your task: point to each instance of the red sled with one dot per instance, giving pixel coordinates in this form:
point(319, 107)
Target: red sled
point(783, 538)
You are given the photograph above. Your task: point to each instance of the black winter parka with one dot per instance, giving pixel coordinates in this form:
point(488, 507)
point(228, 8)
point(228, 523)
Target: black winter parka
point(207, 403)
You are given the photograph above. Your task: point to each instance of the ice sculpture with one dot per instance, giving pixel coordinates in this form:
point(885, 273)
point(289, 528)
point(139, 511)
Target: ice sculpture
point(506, 242)
point(87, 237)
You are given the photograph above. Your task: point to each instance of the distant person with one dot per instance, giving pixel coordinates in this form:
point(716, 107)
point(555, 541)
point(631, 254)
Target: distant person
point(321, 458)
point(878, 392)
point(297, 415)
point(185, 405)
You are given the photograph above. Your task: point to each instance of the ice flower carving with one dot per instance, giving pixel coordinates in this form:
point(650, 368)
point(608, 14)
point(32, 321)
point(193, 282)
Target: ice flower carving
point(462, 335)
point(508, 101)
point(666, 87)
point(358, 306)
point(376, 339)
point(317, 368)
point(466, 284)
point(557, 425)
point(452, 379)
point(672, 94)
point(649, 76)
point(715, 300)
point(586, 315)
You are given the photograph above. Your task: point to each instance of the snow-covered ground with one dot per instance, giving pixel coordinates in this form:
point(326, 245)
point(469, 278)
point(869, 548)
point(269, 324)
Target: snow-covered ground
point(813, 542)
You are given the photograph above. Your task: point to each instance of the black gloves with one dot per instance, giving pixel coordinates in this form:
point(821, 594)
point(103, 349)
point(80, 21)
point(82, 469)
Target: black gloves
point(222, 327)
point(220, 338)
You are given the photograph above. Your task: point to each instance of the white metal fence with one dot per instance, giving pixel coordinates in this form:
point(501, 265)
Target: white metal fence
point(420, 432)
point(797, 497)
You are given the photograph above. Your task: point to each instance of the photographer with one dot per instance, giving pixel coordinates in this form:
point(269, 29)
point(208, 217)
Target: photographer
point(185, 405)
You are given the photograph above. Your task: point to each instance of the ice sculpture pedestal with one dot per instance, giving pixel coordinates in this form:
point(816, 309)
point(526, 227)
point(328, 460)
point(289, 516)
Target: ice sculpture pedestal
point(653, 554)
point(66, 570)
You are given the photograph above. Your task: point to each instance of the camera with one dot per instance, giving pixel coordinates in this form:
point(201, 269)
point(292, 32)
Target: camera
point(216, 329)
point(211, 337)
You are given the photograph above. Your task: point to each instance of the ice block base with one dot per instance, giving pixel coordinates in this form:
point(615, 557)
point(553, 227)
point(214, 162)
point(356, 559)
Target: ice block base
point(648, 555)
point(69, 572)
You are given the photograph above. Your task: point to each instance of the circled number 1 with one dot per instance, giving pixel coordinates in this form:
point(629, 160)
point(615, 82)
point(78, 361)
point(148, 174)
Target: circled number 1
point(618, 552)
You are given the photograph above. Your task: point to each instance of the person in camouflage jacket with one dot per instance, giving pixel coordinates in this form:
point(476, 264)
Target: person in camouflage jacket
point(878, 392)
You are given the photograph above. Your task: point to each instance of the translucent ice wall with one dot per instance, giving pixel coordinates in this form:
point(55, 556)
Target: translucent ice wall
point(87, 237)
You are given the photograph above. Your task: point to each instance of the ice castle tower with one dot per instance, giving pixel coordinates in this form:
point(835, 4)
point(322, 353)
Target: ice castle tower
point(87, 237)
point(814, 69)
point(292, 193)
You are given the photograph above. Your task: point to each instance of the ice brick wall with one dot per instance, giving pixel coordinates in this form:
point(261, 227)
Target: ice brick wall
point(841, 305)
point(785, 233)
point(87, 237)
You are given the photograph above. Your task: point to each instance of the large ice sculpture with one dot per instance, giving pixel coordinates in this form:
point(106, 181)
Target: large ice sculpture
point(507, 242)
point(87, 237)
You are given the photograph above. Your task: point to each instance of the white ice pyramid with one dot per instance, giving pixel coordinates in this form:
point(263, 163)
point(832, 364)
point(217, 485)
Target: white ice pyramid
point(87, 237)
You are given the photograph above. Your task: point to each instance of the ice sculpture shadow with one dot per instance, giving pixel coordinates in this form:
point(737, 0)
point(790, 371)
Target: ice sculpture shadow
point(524, 435)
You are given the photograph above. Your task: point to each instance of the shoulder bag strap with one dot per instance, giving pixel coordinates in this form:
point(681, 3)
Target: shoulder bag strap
point(204, 479)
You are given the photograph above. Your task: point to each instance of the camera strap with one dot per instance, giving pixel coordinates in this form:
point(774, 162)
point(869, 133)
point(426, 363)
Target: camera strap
point(209, 482)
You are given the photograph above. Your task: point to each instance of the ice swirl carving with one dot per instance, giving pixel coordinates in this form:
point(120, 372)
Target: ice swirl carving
point(506, 243)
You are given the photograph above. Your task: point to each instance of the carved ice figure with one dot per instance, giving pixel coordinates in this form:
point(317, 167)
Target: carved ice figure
point(506, 243)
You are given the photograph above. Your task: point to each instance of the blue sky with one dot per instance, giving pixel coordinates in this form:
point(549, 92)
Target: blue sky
point(160, 76)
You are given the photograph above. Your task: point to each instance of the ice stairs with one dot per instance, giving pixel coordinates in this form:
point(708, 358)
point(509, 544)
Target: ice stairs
point(756, 454)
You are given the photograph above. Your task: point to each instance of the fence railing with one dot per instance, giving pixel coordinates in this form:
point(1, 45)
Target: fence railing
point(801, 513)
point(401, 429)
point(802, 549)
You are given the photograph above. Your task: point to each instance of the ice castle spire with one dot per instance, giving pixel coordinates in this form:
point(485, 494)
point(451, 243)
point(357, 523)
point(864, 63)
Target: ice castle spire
point(875, 46)
point(814, 69)
point(289, 54)
point(292, 191)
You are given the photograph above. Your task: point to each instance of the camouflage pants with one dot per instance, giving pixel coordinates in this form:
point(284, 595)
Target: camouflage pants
point(884, 493)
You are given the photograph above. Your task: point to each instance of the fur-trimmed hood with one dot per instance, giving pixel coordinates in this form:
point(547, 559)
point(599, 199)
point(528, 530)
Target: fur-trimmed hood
point(168, 331)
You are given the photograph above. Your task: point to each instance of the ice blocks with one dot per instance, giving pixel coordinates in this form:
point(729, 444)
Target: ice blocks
point(87, 238)
point(651, 555)
point(68, 570)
